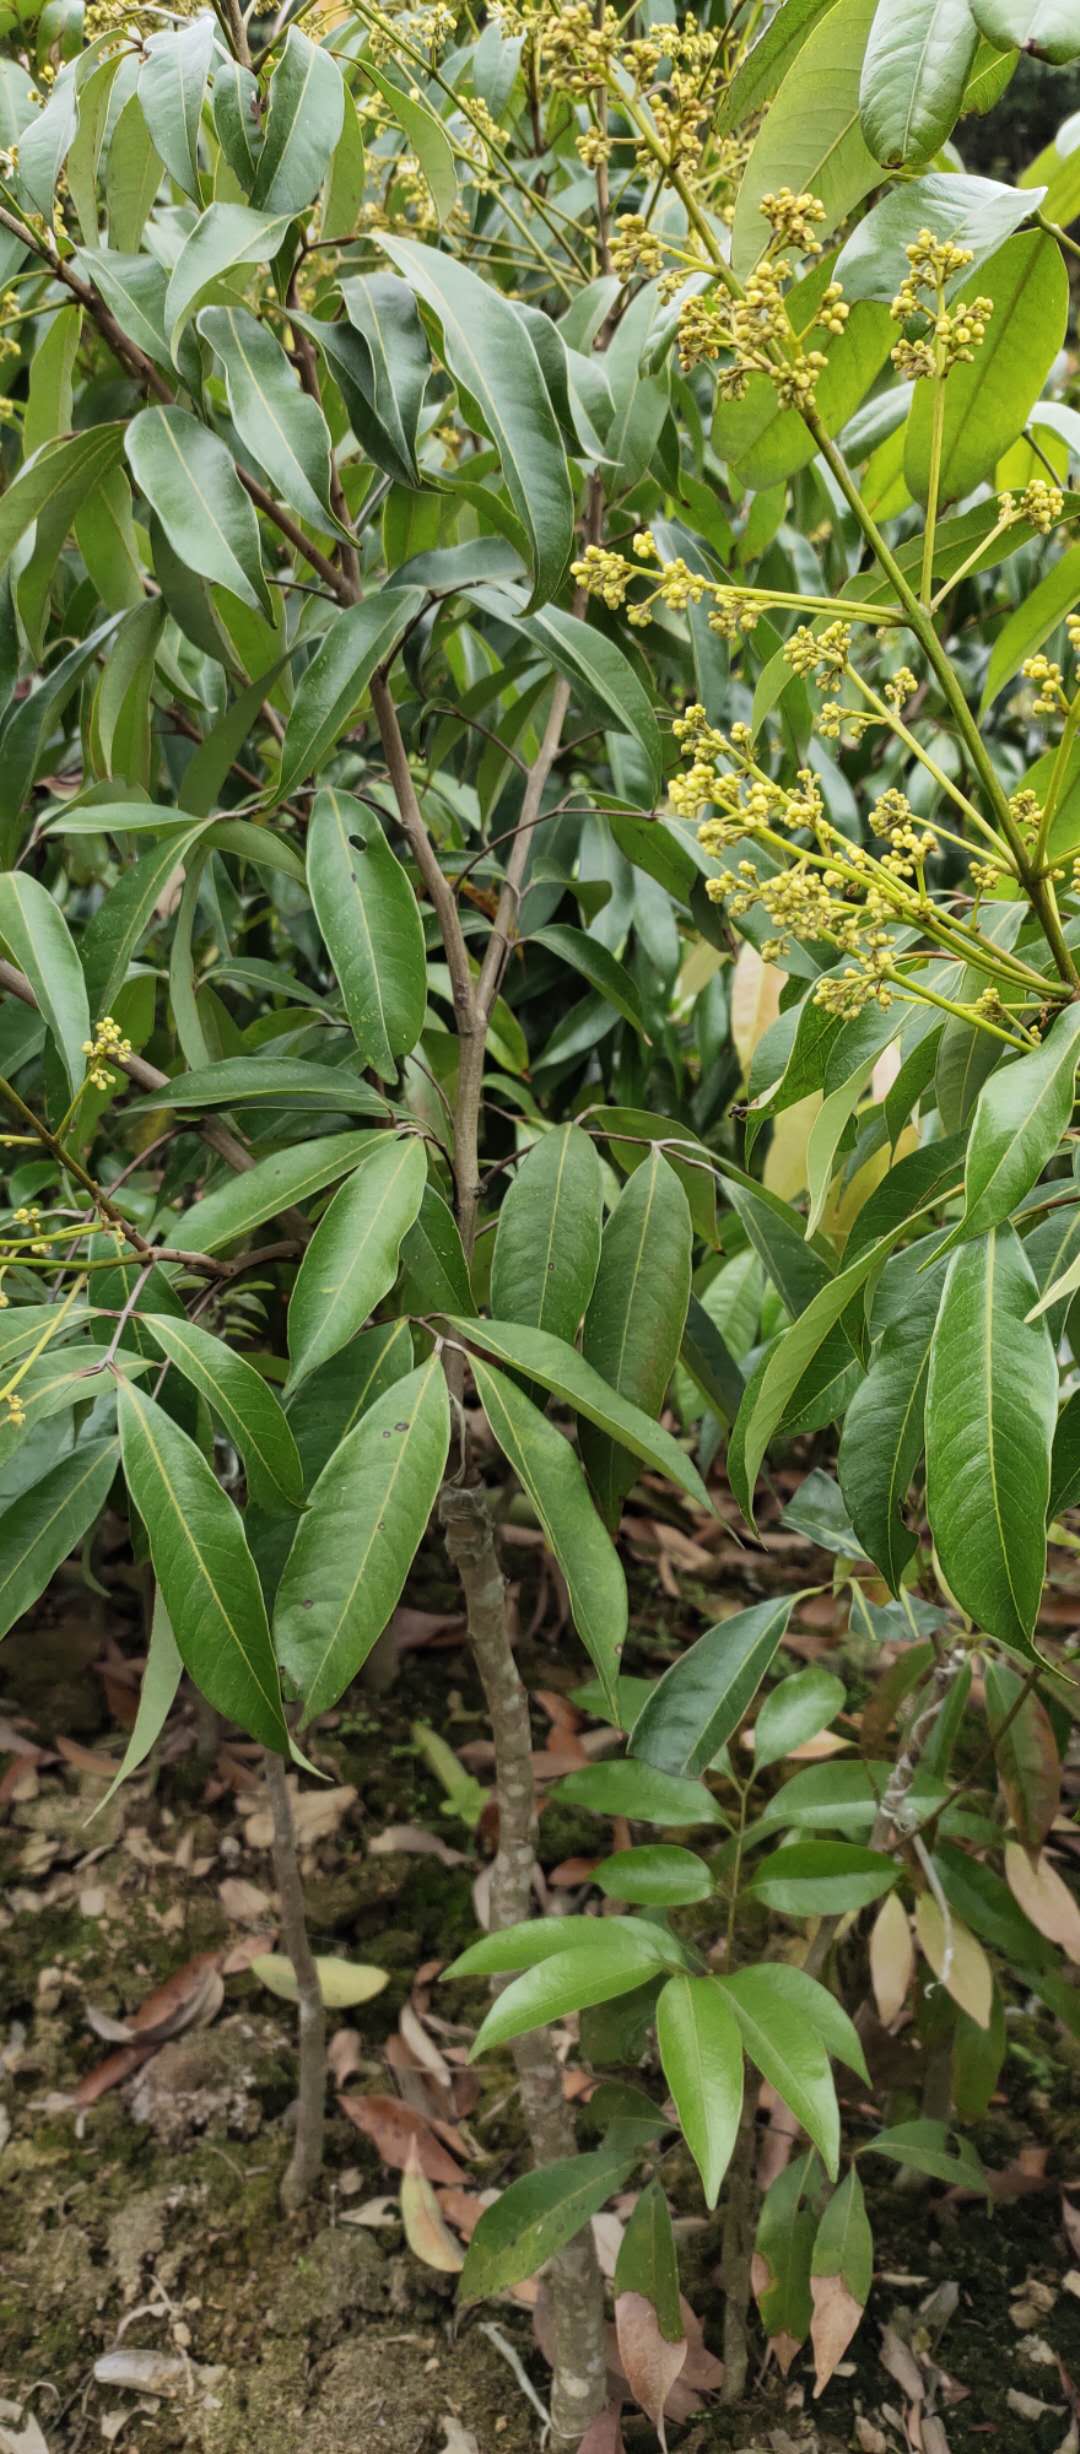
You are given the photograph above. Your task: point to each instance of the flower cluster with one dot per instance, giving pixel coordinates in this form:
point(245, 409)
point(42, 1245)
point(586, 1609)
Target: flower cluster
point(108, 1047)
point(819, 656)
point(936, 337)
point(754, 333)
point(603, 573)
point(1050, 698)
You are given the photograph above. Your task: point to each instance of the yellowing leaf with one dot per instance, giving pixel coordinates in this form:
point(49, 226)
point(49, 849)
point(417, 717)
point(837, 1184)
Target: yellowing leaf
point(342, 1983)
point(425, 2231)
point(1040, 1892)
point(892, 1959)
point(755, 1000)
point(957, 1960)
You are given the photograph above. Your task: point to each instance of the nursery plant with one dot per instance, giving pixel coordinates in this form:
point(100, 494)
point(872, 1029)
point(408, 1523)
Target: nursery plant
point(540, 811)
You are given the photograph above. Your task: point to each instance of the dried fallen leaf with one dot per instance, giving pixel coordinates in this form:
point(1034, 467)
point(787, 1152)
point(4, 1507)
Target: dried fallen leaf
point(605, 2435)
point(165, 2373)
point(343, 2055)
point(892, 1959)
point(458, 2440)
point(900, 2361)
point(650, 2363)
point(428, 2237)
point(243, 1902)
point(19, 2431)
point(410, 1840)
point(1044, 1897)
point(342, 1983)
point(375, 2214)
point(957, 1959)
point(394, 2128)
point(836, 2318)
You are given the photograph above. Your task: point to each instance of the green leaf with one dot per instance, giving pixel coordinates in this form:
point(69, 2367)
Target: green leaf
point(40, 1528)
point(598, 667)
point(189, 480)
point(617, 1961)
point(632, 1133)
point(1046, 27)
point(283, 430)
point(811, 137)
point(434, 1271)
point(844, 2244)
point(547, 1243)
point(303, 124)
point(793, 1712)
point(657, 1876)
point(648, 2263)
point(333, 686)
point(975, 213)
point(342, 1983)
point(371, 924)
point(511, 1948)
point(559, 1368)
point(924, 2146)
point(238, 119)
point(262, 1082)
point(837, 1797)
point(242, 1400)
point(549, 1471)
point(916, 68)
point(356, 1543)
point(382, 365)
point(882, 1438)
point(37, 937)
point(172, 89)
point(271, 1186)
point(710, 1363)
point(160, 1681)
point(204, 1568)
point(1040, 610)
point(991, 1408)
point(55, 483)
point(698, 1704)
point(637, 1790)
point(765, 1404)
point(601, 969)
point(490, 353)
point(426, 138)
point(822, 1878)
point(783, 2246)
point(225, 236)
point(352, 1259)
point(701, 2052)
point(1020, 1116)
point(635, 1321)
point(776, 1990)
point(537, 2216)
point(987, 400)
point(765, 64)
point(790, 2055)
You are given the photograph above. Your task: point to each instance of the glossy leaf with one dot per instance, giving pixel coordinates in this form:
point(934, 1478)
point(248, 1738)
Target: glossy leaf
point(357, 1540)
point(38, 940)
point(283, 430)
point(1020, 1116)
point(204, 1568)
point(702, 2054)
point(303, 124)
point(619, 1959)
point(882, 1438)
point(547, 1243)
point(991, 1408)
point(243, 1401)
point(558, 1367)
point(822, 1878)
point(333, 686)
point(790, 2055)
point(189, 480)
point(1046, 27)
point(271, 1186)
point(491, 355)
point(172, 87)
point(536, 2216)
point(794, 1711)
point(352, 1259)
point(914, 74)
point(547, 1467)
point(640, 1792)
point(656, 1876)
point(698, 1704)
point(648, 2261)
point(368, 915)
point(38, 1529)
point(811, 138)
point(635, 1320)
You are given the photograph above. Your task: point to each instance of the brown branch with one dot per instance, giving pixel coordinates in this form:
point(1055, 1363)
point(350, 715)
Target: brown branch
point(306, 2161)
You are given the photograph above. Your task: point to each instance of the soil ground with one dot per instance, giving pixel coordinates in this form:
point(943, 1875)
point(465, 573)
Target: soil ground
point(148, 2221)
